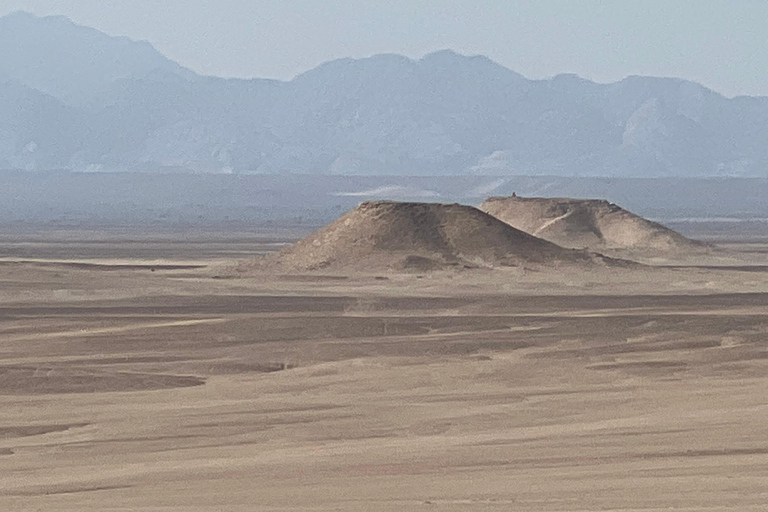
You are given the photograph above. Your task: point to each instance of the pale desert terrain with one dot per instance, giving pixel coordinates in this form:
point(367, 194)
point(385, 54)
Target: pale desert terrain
point(153, 372)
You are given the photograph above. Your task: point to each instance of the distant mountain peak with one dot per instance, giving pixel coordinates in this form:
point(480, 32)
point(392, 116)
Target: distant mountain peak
point(29, 20)
point(22, 15)
point(72, 62)
point(452, 62)
point(449, 55)
point(444, 54)
point(443, 59)
point(568, 77)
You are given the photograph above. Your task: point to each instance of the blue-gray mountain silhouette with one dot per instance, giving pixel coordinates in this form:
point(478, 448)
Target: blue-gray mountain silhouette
point(74, 98)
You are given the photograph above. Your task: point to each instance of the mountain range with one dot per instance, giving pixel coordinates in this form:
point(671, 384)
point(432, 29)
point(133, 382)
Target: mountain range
point(74, 98)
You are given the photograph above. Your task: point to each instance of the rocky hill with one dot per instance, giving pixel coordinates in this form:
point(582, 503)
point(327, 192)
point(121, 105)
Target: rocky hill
point(422, 236)
point(587, 224)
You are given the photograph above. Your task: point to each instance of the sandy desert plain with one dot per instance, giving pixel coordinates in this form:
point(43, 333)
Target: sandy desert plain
point(149, 370)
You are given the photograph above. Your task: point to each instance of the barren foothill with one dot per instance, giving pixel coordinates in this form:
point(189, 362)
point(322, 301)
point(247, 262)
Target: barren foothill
point(388, 235)
point(171, 383)
point(591, 224)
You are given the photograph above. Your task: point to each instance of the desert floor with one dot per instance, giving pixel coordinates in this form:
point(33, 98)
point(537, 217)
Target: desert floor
point(151, 372)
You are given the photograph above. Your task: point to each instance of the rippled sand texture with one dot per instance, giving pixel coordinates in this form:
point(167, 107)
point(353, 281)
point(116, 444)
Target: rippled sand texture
point(169, 385)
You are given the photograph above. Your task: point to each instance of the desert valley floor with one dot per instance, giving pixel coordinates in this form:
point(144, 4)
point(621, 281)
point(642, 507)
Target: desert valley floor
point(153, 372)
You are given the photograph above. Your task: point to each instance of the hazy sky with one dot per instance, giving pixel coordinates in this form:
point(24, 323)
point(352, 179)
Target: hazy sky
point(722, 44)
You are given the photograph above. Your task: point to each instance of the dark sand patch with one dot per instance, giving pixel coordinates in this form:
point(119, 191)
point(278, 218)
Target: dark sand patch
point(29, 380)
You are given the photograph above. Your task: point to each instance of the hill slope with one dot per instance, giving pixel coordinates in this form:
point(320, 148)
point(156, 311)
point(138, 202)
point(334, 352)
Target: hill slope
point(586, 224)
point(35, 129)
point(421, 236)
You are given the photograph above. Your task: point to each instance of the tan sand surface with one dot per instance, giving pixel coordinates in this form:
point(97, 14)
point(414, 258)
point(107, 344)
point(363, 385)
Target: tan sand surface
point(200, 389)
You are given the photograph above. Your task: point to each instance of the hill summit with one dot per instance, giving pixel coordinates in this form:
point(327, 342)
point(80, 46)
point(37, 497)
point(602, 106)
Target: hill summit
point(422, 236)
point(587, 224)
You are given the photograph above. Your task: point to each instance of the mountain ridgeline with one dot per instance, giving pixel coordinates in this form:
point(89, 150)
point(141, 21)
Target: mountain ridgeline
point(74, 98)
